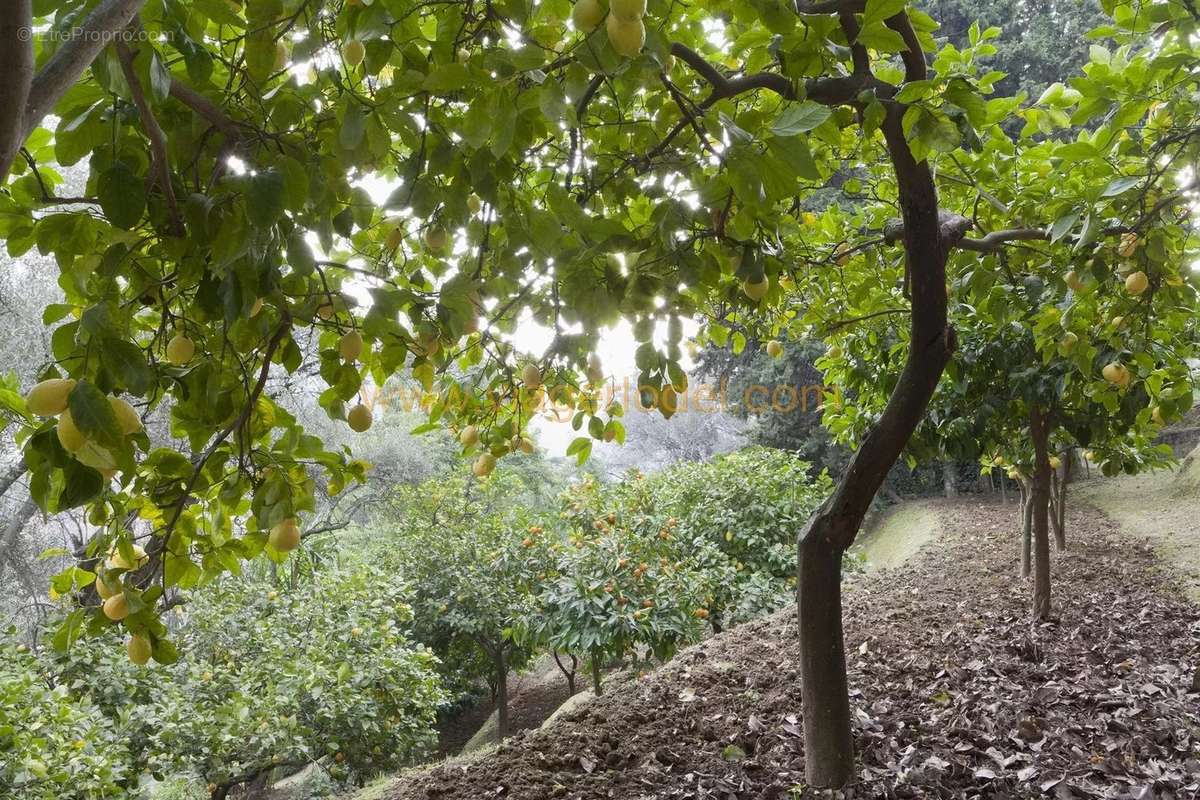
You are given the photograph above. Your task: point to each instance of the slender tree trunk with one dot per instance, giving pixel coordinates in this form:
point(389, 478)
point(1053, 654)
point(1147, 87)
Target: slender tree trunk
point(1026, 531)
point(1055, 500)
point(1039, 430)
point(948, 470)
point(1060, 530)
point(596, 684)
point(501, 695)
point(569, 674)
point(1003, 491)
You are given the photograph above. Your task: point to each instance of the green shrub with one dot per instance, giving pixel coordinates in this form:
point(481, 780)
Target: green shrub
point(54, 744)
point(283, 679)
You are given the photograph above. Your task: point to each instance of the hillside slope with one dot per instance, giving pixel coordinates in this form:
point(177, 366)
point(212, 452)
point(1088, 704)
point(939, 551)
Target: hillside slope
point(955, 694)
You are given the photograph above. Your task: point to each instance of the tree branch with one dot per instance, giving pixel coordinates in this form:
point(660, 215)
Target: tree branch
point(247, 410)
point(827, 91)
point(997, 239)
point(12, 475)
point(16, 65)
point(831, 7)
point(205, 108)
point(154, 132)
point(915, 68)
point(75, 55)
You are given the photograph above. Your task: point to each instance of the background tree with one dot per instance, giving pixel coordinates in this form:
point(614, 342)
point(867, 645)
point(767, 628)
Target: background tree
point(459, 543)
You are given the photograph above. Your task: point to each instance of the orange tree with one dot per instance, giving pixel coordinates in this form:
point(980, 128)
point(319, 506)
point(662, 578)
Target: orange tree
point(461, 545)
point(623, 579)
point(575, 164)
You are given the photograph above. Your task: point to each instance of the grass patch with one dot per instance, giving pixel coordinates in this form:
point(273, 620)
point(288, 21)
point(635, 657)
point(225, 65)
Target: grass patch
point(898, 535)
point(1152, 507)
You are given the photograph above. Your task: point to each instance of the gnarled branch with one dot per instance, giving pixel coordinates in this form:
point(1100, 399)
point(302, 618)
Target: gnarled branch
point(16, 65)
point(26, 98)
point(827, 91)
point(75, 55)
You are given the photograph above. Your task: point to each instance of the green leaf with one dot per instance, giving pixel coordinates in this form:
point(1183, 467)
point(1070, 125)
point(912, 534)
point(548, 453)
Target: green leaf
point(264, 197)
point(447, 78)
point(354, 126)
point(1120, 185)
point(882, 38)
point(164, 651)
point(879, 10)
point(127, 363)
point(69, 631)
point(81, 484)
point(800, 118)
point(94, 415)
point(122, 196)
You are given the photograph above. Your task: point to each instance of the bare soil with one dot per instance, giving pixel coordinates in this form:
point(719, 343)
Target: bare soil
point(533, 697)
point(955, 694)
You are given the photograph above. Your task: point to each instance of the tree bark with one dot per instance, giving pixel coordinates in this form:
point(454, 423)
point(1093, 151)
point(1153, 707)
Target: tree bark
point(12, 475)
point(26, 98)
point(501, 695)
point(828, 743)
point(948, 470)
point(16, 65)
point(1060, 529)
point(1055, 519)
point(1026, 531)
point(595, 663)
point(8, 542)
point(1039, 431)
point(828, 746)
point(569, 674)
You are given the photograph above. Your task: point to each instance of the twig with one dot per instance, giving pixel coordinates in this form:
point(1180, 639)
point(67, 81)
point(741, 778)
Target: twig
point(154, 132)
point(268, 353)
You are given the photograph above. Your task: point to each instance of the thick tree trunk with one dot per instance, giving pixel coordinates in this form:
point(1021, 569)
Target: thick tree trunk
point(1039, 431)
point(828, 745)
point(8, 544)
point(16, 64)
point(26, 98)
point(501, 695)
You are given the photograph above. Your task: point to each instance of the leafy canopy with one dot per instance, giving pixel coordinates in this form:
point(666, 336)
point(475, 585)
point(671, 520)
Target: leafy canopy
point(427, 175)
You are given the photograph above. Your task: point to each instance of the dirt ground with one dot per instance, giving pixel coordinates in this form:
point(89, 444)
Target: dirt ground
point(533, 697)
point(955, 694)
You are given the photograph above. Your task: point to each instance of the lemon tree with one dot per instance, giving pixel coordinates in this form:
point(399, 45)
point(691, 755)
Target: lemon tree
point(55, 744)
point(264, 178)
point(1076, 334)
